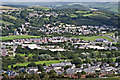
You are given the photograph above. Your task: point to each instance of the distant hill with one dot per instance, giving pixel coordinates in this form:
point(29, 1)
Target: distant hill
point(76, 6)
point(104, 6)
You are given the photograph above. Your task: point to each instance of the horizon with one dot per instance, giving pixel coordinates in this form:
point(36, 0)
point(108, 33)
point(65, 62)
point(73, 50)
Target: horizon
point(59, 1)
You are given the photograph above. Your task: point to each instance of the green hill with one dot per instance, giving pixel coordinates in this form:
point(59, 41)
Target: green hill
point(75, 6)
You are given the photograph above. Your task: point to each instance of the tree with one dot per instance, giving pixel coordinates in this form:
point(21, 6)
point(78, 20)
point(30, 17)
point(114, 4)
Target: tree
point(40, 68)
point(5, 77)
point(59, 55)
point(44, 75)
point(66, 67)
point(44, 64)
point(79, 74)
point(32, 64)
point(83, 72)
point(52, 74)
point(76, 61)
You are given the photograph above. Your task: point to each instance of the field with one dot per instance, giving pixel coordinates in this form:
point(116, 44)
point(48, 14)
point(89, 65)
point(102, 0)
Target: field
point(11, 17)
point(93, 38)
point(25, 54)
point(6, 7)
point(18, 37)
point(39, 62)
point(85, 15)
point(109, 34)
point(6, 23)
point(44, 8)
point(82, 12)
point(73, 15)
point(112, 78)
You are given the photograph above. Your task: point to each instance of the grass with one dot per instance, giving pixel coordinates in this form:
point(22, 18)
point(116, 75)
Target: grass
point(39, 62)
point(93, 38)
point(6, 23)
point(82, 12)
point(18, 37)
point(109, 34)
point(73, 15)
point(6, 7)
point(85, 15)
point(110, 78)
point(44, 8)
point(25, 54)
point(114, 59)
point(11, 17)
point(46, 19)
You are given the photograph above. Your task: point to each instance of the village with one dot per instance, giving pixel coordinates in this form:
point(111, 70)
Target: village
point(51, 43)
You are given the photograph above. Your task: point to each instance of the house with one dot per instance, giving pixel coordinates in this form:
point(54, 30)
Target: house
point(53, 50)
point(62, 64)
point(73, 71)
point(110, 68)
point(58, 72)
point(92, 69)
point(101, 40)
point(32, 70)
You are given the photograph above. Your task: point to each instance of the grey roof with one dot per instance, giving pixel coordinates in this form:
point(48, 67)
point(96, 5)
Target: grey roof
point(61, 64)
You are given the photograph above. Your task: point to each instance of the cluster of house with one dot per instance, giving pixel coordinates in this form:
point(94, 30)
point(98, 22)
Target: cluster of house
point(102, 68)
point(35, 43)
point(40, 14)
point(73, 29)
point(3, 51)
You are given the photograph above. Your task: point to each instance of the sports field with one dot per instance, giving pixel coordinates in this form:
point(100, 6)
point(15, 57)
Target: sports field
point(93, 38)
point(18, 37)
point(38, 62)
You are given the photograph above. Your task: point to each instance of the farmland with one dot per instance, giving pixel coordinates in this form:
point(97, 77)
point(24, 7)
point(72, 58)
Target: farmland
point(11, 17)
point(6, 23)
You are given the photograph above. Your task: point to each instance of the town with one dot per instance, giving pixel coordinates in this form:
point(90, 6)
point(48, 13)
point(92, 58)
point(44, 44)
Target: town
point(45, 43)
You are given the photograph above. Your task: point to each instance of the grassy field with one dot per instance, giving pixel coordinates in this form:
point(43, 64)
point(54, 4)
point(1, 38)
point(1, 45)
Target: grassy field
point(6, 7)
point(73, 15)
point(18, 37)
point(82, 12)
point(39, 62)
point(11, 17)
point(6, 23)
point(93, 38)
point(25, 54)
point(111, 78)
point(109, 34)
point(92, 14)
point(44, 8)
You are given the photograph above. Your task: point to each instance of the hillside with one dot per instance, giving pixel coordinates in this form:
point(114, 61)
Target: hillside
point(74, 6)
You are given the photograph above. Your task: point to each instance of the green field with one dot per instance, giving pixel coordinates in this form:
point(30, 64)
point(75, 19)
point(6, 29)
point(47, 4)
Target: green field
point(6, 23)
point(7, 7)
point(82, 12)
point(43, 8)
point(39, 62)
point(73, 15)
point(11, 17)
point(25, 54)
point(92, 14)
point(109, 34)
point(111, 78)
point(18, 37)
point(93, 38)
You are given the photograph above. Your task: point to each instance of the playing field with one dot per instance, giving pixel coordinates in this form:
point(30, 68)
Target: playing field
point(93, 38)
point(18, 37)
point(39, 62)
